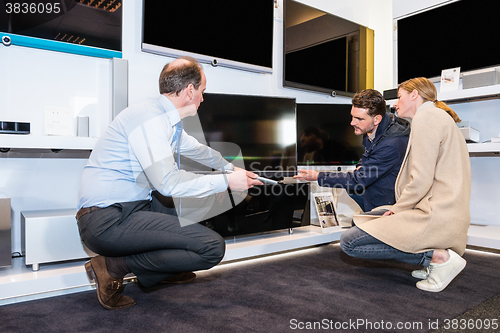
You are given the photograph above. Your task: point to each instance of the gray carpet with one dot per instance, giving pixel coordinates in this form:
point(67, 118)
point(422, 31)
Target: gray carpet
point(320, 288)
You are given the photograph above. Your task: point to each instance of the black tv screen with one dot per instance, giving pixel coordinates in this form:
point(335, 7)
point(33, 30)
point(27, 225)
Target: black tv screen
point(301, 69)
point(334, 144)
point(82, 27)
point(236, 34)
point(262, 127)
point(325, 53)
point(460, 34)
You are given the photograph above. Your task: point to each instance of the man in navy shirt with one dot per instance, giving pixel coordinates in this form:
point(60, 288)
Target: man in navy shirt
point(385, 138)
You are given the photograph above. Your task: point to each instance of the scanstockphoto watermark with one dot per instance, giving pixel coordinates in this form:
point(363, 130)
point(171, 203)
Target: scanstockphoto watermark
point(350, 184)
point(357, 324)
point(365, 324)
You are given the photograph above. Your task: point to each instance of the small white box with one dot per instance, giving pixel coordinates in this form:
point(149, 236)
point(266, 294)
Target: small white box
point(470, 134)
point(82, 126)
point(51, 236)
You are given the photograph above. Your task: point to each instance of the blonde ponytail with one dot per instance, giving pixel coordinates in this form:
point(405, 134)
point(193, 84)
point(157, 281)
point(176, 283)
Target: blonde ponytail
point(444, 106)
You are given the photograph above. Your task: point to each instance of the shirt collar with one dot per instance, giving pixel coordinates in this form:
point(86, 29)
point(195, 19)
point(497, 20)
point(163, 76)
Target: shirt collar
point(170, 110)
point(371, 136)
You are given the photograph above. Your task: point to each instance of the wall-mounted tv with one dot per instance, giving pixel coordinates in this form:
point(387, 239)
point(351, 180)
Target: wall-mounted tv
point(459, 34)
point(325, 53)
point(325, 137)
point(262, 127)
point(236, 34)
point(85, 27)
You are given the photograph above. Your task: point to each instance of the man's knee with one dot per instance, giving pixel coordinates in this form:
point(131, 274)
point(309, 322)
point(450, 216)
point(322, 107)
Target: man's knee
point(216, 250)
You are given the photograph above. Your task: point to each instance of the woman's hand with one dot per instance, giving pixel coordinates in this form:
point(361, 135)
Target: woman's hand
point(388, 213)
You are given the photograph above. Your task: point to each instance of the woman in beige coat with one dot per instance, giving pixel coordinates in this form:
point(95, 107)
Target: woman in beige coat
point(428, 223)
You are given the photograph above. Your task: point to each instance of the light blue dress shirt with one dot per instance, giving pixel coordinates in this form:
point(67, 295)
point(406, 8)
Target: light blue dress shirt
point(136, 155)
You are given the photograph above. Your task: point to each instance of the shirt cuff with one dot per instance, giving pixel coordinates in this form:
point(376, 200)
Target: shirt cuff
point(219, 183)
point(228, 167)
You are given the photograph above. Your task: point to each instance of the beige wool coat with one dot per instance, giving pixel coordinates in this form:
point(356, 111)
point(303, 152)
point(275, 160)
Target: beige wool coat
point(432, 189)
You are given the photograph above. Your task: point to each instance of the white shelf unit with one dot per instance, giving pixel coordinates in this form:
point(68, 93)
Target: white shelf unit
point(470, 95)
point(29, 141)
point(487, 236)
point(484, 149)
point(473, 95)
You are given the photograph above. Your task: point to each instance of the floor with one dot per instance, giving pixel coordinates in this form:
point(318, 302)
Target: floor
point(20, 283)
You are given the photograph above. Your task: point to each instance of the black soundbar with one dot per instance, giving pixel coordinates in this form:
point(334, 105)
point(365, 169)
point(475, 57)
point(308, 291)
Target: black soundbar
point(390, 94)
point(14, 127)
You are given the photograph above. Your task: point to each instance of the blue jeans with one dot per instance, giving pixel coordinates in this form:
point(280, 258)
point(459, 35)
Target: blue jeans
point(357, 243)
point(151, 239)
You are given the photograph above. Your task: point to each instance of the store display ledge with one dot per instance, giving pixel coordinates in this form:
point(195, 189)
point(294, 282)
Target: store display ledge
point(20, 283)
point(46, 142)
point(487, 236)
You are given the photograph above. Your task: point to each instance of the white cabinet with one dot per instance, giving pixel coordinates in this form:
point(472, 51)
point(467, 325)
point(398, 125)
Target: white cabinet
point(51, 236)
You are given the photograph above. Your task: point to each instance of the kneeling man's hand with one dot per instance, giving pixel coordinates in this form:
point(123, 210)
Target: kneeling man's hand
point(241, 180)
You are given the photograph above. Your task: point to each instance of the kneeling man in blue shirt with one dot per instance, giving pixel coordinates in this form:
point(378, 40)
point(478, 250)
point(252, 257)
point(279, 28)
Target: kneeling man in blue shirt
point(133, 230)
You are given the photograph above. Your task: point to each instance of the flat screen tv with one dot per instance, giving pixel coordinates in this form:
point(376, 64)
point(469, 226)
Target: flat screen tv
point(236, 34)
point(459, 34)
point(85, 27)
point(325, 137)
point(262, 127)
point(325, 53)
point(265, 208)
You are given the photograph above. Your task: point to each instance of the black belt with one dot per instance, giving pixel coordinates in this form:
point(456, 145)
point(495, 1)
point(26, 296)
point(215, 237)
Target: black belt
point(165, 201)
point(85, 210)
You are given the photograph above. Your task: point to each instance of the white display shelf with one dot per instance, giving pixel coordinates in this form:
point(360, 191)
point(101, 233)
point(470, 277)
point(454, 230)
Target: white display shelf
point(46, 142)
point(470, 95)
point(487, 236)
point(484, 149)
point(278, 241)
point(467, 95)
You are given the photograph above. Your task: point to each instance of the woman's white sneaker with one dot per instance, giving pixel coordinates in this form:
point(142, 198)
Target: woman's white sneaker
point(440, 275)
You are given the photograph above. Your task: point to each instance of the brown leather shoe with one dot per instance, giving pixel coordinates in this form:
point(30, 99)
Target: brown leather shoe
point(108, 288)
point(181, 278)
